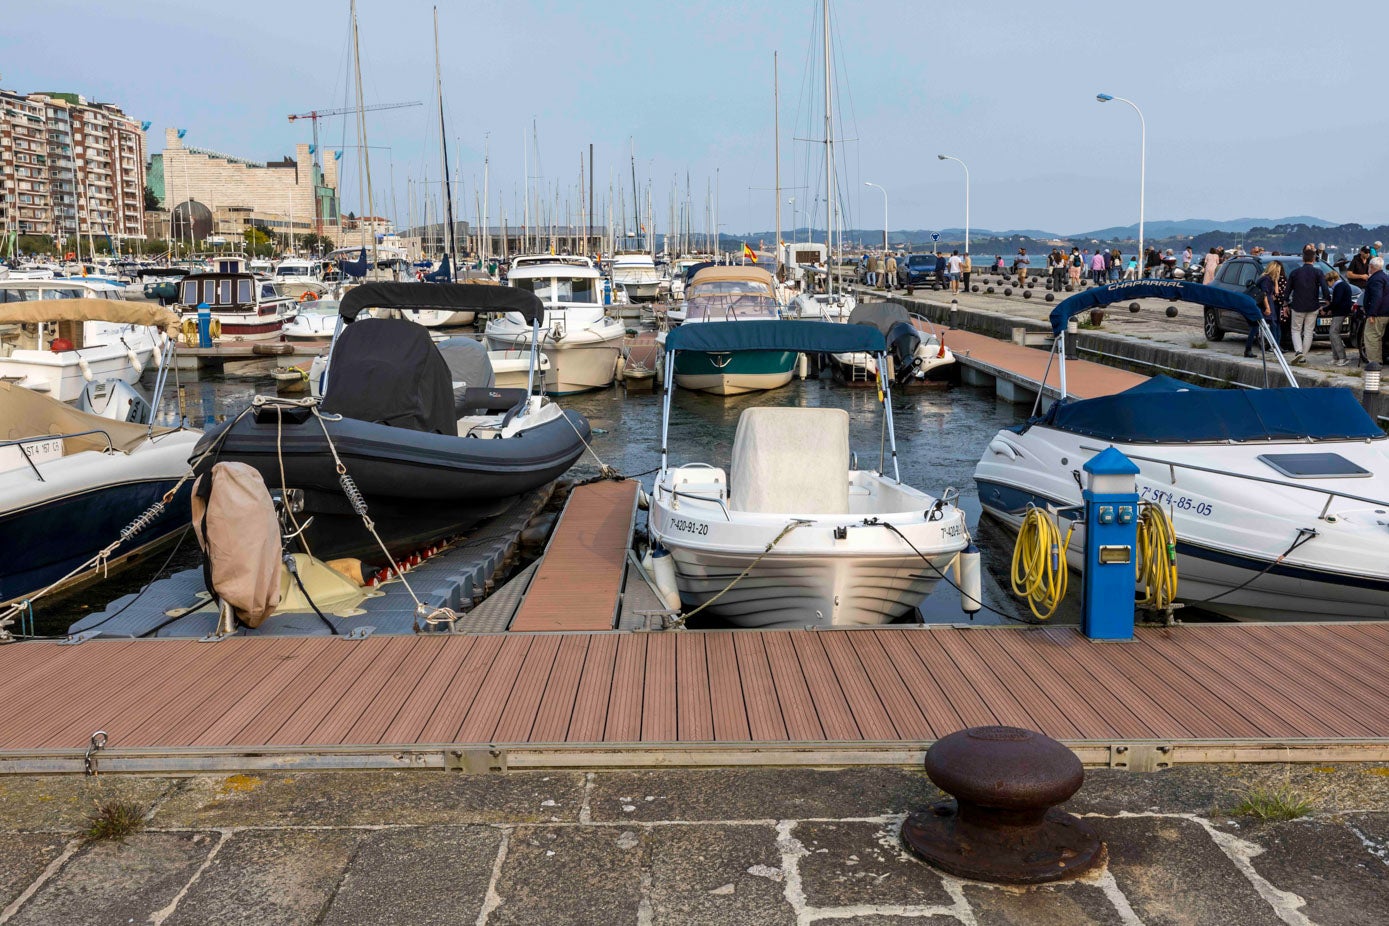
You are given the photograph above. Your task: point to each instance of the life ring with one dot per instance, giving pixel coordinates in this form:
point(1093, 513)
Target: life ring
point(307, 296)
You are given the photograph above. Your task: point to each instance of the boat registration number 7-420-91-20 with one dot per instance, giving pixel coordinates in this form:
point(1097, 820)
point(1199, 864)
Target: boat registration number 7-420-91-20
point(689, 527)
point(1177, 502)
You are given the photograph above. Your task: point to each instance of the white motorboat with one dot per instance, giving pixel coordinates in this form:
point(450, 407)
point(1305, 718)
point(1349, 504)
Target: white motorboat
point(316, 319)
point(58, 346)
point(581, 341)
point(1278, 496)
point(731, 295)
point(298, 275)
point(635, 272)
point(246, 308)
point(71, 481)
point(793, 534)
point(918, 351)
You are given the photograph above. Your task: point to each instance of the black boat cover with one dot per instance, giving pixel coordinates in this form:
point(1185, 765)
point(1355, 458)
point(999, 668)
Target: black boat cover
point(881, 315)
point(388, 371)
point(460, 297)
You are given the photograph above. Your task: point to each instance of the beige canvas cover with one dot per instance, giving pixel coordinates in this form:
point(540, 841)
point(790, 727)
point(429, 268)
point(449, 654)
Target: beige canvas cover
point(791, 461)
point(755, 276)
point(240, 536)
point(119, 311)
point(25, 413)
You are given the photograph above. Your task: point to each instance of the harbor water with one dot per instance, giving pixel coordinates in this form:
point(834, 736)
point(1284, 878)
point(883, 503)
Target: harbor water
point(941, 431)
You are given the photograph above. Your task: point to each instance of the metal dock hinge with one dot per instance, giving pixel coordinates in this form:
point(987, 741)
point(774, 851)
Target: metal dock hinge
point(475, 761)
point(1140, 757)
point(89, 761)
point(359, 633)
point(76, 638)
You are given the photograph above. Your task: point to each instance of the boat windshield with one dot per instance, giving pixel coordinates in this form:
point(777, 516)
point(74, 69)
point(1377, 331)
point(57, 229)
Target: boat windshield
point(562, 289)
point(730, 306)
point(35, 294)
point(298, 271)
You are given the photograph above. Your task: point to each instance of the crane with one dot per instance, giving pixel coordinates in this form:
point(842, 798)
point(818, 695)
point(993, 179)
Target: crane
point(317, 114)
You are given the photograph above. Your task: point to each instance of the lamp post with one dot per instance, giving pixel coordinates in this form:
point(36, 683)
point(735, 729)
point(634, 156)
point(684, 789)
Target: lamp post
point(884, 192)
point(947, 157)
point(1142, 172)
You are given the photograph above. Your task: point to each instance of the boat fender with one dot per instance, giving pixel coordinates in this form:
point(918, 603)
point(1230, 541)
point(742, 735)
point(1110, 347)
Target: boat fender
point(158, 353)
point(648, 564)
point(663, 572)
point(969, 579)
point(135, 362)
point(85, 367)
point(1003, 449)
point(619, 368)
point(643, 500)
point(802, 366)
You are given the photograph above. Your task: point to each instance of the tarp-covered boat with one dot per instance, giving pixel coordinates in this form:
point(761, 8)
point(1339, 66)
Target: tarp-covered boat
point(426, 462)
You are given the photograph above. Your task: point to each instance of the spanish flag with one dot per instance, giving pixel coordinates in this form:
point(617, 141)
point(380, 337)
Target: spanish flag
point(748, 253)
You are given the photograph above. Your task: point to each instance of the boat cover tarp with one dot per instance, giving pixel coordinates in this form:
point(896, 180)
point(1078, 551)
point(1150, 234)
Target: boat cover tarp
point(880, 315)
point(1177, 290)
point(1167, 411)
point(791, 461)
point(813, 337)
point(26, 414)
point(120, 311)
point(467, 361)
point(457, 297)
point(388, 371)
point(234, 520)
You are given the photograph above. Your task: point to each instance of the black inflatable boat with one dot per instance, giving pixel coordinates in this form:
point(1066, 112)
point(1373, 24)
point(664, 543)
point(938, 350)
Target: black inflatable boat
point(391, 415)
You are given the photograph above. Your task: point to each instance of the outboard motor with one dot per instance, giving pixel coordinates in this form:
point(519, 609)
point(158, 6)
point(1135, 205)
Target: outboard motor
point(902, 341)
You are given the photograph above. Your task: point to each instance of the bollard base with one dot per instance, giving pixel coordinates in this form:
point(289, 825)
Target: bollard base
point(1063, 846)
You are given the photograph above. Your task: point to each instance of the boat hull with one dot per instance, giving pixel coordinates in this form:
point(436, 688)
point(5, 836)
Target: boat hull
point(734, 373)
point(578, 363)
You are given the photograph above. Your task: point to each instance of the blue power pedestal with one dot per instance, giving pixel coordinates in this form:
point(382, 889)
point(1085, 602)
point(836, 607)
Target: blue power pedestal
point(204, 325)
point(1111, 541)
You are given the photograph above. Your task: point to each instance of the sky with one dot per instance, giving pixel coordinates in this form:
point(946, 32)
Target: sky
point(1268, 111)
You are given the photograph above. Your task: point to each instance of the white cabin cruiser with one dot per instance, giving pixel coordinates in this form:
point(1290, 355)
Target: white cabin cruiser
point(794, 534)
point(1278, 496)
point(298, 275)
point(581, 341)
point(59, 346)
point(635, 272)
point(316, 319)
point(246, 308)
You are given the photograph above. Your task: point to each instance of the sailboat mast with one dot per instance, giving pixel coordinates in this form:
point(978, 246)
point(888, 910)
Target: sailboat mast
point(829, 162)
point(450, 243)
point(362, 132)
point(526, 193)
point(636, 208)
point(588, 222)
point(486, 230)
point(776, 155)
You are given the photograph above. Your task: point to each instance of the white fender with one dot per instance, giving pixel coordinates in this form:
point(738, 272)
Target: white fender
point(85, 367)
point(663, 572)
point(967, 576)
point(135, 362)
point(802, 366)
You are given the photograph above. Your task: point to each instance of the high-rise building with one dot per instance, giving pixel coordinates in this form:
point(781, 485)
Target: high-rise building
point(70, 167)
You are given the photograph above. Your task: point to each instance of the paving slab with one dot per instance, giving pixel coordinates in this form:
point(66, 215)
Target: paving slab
point(417, 875)
point(1172, 872)
point(757, 794)
point(561, 875)
point(882, 919)
point(1071, 904)
point(864, 863)
point(63, 803)
point(1373, 830)
point(118, 882)
point(268, 877)
point(374, 798)
point(1329, 866)
point(717, 875)
point(23, 857)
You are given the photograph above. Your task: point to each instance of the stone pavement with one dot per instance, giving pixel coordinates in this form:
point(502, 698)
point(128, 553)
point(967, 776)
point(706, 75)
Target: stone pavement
point(708, 846)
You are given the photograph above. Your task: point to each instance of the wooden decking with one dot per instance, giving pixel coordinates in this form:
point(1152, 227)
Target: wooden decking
point(1028, 365)
point(579, 581)
point(1277, 691)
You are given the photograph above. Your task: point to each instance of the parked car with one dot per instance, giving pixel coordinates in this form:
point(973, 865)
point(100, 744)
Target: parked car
point(916, 270)
point(1239, 275)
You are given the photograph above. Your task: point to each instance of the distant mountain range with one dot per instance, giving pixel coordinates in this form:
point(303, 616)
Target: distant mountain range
point(1157, 229)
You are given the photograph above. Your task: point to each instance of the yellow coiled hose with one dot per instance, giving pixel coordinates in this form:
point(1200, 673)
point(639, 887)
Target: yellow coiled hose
point(1157, 557)
point(1039, 562)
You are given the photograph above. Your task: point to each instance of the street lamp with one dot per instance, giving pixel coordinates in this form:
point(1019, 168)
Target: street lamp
point(946, 157)
point(884, 192)
point(1142, 173)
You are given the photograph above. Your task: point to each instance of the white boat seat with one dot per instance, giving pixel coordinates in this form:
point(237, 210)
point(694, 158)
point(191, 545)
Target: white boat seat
point(792, 461)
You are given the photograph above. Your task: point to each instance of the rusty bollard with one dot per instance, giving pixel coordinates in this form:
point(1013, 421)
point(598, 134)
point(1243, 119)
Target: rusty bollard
point(1003, 825)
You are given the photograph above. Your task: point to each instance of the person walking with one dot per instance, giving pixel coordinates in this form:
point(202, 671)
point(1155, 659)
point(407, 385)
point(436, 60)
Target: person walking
point(1021, 262)
point(1074, 268)
point(1056, 263)
point(890, 272)
point(1270, 292)
point(1338, 309)
point(1097, 268)
point(1305, 285)
point(953, 268)
point(1116, 261)
point(874, 267)
point(966, 268)
point(1212, 263)
point(1376, 303)
point(1358, 273)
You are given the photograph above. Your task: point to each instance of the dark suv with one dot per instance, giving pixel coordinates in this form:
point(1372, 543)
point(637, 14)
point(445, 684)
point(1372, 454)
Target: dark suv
point(1239, 275)
point(916, 269)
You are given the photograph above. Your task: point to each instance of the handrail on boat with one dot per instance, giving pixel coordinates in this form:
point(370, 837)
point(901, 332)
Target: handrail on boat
point(1331, 494)
point(29, 440)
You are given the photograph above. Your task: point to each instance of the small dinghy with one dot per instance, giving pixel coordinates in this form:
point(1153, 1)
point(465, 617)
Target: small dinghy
point(392, 440)
point(794, 534)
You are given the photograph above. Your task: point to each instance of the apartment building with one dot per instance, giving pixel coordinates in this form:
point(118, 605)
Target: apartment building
point(68, 166)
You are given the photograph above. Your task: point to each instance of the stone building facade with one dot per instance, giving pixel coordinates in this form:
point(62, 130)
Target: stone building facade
point(70, 167)
point(291, 193)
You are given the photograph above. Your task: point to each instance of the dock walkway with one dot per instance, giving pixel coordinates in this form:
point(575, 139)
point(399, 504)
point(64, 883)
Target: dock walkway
point(1189, 693)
